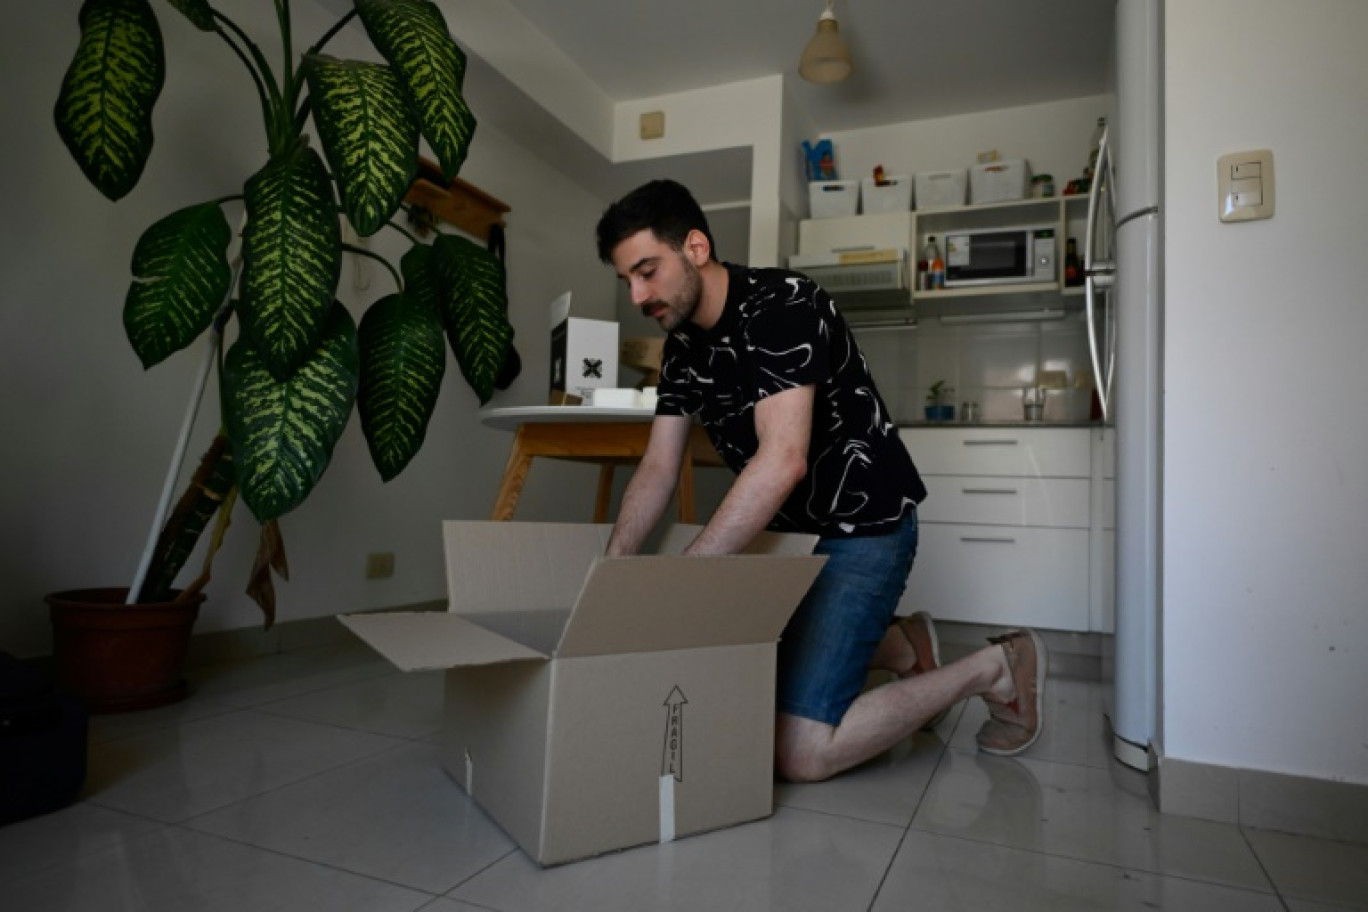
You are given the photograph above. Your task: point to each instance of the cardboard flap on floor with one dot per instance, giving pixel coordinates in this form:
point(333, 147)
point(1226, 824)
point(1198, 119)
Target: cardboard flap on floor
point(424, 640)
point(651, 604)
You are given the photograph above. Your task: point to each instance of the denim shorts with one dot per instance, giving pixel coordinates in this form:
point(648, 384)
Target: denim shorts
point(826, 647)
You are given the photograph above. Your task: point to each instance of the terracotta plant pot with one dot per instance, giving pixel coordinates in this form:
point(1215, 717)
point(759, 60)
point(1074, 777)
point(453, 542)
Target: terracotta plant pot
point(116, 657)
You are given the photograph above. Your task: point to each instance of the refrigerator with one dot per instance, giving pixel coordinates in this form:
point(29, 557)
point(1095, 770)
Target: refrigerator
point(1124, 306)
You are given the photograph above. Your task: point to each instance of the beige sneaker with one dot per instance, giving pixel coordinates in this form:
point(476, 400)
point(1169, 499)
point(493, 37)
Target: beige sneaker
point(1014, 726)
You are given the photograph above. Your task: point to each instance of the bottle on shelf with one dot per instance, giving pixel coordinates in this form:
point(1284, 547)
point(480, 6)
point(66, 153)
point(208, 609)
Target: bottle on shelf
point(1073, 272)
point(922, 275)
point(1095, 146)
point(935, 266)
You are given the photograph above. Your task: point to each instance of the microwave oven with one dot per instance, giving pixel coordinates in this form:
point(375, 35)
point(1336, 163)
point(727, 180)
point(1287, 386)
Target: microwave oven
point(1000, 256)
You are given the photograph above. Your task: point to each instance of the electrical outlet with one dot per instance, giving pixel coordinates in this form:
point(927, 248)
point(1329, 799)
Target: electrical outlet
point(380, 565)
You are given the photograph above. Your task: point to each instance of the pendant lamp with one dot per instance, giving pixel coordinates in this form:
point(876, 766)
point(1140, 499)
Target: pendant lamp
point(826, 58)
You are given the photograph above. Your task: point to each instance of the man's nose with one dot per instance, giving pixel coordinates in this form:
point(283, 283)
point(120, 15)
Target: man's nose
point(640, 293)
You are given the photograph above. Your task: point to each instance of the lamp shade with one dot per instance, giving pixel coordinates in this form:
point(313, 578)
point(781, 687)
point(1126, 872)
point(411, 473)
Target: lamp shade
point(826, 58)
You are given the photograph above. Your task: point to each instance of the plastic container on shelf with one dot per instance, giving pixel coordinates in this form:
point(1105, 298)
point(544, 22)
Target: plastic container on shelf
point(833, 199)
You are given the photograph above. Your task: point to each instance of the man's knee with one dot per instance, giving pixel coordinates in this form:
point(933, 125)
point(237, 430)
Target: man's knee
point(798, 749)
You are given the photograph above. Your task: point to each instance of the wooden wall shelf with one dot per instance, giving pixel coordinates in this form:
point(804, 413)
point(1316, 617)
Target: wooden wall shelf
point(460, 204)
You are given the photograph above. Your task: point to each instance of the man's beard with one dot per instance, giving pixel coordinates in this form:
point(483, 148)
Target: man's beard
point(684, 304)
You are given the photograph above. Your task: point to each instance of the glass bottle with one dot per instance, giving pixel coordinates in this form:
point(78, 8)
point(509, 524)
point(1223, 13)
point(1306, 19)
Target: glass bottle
point(935, 266)
point(1073, 272)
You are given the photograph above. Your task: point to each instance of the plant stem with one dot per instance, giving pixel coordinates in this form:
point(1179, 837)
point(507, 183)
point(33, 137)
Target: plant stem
point(362, 251)
point(328, 35)
point(277, 139)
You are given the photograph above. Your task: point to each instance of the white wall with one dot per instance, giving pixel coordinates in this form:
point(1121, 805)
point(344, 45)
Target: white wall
point(1265, 592)
point(88, 434)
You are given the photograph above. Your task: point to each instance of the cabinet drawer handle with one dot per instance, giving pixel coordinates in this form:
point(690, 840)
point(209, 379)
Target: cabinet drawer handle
point(988, 490)
point(990, 443)
point(987, 540)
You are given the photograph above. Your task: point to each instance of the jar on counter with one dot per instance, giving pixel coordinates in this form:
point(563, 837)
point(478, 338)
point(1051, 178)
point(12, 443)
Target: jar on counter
point(1042, 186)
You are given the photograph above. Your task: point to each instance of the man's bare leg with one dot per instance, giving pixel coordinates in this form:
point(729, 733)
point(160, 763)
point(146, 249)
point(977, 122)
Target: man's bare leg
point(809, 751)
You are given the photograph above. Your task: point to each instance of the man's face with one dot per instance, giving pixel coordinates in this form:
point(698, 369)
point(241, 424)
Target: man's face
point(662, 281)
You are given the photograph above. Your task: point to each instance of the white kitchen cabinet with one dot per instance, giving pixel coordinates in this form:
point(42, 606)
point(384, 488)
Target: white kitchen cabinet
point(1102, 547)
point(1008, 530)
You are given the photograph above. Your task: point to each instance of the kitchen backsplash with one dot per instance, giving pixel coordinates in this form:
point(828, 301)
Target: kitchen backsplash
point(991, 364)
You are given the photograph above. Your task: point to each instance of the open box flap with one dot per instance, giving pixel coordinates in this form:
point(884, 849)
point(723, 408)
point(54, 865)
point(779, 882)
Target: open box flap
point(425, 640)
point(650, 604)
point(516, 566)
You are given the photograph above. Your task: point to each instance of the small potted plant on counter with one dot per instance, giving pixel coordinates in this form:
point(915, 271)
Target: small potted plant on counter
point(939, 406)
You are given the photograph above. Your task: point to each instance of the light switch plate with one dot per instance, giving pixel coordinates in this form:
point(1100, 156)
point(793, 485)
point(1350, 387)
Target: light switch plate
point(1244, 182)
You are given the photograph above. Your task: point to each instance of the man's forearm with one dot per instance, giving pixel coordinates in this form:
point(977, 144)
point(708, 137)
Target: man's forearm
point(643, 503)
point(753, 500)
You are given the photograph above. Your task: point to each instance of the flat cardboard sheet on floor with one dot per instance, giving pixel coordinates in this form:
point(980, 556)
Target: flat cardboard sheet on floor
point(598, 703)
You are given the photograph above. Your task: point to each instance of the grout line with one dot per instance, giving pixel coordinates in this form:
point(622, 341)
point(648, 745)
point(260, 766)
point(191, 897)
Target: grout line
point(888, 868)
point(1273, 884)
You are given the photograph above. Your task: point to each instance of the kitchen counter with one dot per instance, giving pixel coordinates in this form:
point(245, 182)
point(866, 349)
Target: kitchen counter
point(962, 425)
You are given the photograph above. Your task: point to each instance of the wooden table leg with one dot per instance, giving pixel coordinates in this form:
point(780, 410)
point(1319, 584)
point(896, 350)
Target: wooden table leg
point(515, 473)
point(684, 493)
point(605, 492)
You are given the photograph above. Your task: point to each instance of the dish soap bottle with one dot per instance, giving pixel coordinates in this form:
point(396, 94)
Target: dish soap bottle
point(935, 266)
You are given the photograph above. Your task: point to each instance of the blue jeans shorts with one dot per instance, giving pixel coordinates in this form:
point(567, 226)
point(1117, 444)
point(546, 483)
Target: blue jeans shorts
point(826, 647)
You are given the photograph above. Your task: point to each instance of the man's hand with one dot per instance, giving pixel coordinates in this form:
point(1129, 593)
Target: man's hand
point(783, 424)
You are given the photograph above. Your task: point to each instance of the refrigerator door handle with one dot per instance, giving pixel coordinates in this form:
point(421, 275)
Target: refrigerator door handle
point(1098, 274)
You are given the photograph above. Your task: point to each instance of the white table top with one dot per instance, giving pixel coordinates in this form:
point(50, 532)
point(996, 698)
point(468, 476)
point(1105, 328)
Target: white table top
point(508, 419)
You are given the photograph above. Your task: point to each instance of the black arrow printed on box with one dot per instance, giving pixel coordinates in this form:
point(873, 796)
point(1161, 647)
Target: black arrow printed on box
point(672, 760)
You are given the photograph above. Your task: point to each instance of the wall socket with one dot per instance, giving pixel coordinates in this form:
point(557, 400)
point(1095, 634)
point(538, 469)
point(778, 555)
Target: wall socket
point(652, 125)
point(380, 565)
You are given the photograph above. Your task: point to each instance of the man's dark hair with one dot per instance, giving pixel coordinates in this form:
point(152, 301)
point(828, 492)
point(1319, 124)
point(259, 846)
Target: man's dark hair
point(664, 207)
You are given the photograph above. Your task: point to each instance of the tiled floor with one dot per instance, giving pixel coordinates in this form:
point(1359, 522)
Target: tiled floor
point(310, 781)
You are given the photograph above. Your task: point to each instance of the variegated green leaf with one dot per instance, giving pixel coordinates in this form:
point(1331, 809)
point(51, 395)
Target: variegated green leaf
point(413, 37)
point(104, 110)
point(283, 432)
point(292, 258)
point(403, 358)
point(197, 11)
point(369, 133)
point(474, 303)
point(181, 277)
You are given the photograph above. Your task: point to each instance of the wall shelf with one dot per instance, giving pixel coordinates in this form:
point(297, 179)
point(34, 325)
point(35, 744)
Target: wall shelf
point(459, 203)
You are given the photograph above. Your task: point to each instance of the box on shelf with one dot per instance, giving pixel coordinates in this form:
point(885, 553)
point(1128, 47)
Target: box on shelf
point(1000, 181)
point(895, 195)
point(597, 703)
point(584, 353)
point(832, 199)
point(941, 189)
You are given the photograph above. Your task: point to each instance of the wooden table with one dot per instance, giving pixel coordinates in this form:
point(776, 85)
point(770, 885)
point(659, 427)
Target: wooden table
point(607, 437)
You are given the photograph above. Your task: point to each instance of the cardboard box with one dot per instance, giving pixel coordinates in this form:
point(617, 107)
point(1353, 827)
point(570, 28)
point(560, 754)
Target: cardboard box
point(644, 353)
point(895, 195)
point(999, 181)
point(941, 189)
point(832, 199)
point(584, 353)
point(598, 703)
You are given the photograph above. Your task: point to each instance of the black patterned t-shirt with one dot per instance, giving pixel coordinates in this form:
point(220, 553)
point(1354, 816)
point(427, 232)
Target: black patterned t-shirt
point(779, 330)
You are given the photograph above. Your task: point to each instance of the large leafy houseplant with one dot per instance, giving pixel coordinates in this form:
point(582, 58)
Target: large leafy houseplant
point(299, 363)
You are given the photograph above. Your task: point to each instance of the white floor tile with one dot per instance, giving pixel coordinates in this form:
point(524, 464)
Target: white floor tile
point(175, 870)
point(399, 705)
point(41, 842)
point(792, 862)
point(1079, 812)
point(107, 727)
point(397, 817)
point(955, 875)
point(1314, 869)
point(275, 677)
point(887, 789)
point(171, 774)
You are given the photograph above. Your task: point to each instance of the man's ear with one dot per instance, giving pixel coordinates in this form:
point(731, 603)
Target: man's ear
point(697, 248)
